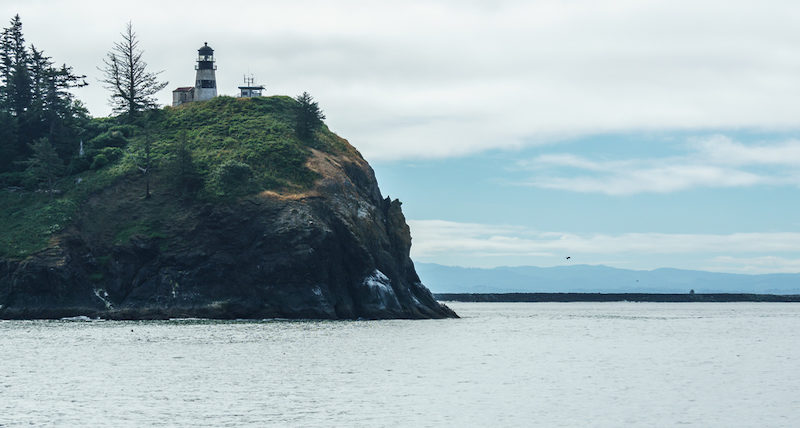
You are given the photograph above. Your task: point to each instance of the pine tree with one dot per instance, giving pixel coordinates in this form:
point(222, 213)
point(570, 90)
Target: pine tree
point(44, 165)
point(8, 139)
point(125, 75)
point(145, 160)
point(308, 116)
point(14, 90)
point(14, 60)
point(60, 116)
point(182, 169)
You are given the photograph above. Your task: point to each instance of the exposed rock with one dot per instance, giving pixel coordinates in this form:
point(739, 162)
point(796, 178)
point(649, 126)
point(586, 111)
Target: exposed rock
point(338, 251)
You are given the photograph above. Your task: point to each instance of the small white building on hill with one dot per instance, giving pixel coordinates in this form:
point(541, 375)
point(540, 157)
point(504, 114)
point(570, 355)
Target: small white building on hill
point(249, 89)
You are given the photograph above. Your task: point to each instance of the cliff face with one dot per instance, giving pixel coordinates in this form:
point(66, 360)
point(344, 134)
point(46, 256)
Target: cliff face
point(336, 251)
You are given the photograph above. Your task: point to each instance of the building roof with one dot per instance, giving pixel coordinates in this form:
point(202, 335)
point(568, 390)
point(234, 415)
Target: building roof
point(205, 50)
point(184, 89)
point(251, 87)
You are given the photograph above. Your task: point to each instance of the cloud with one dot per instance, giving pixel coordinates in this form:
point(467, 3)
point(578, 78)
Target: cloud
point(429, 79)
point(663, 179)
point(440, 236)
point(714, 162)
point(722, 150)
point(486, 245)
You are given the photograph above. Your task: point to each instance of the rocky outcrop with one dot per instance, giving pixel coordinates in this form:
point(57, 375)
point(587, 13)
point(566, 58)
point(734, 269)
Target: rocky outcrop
point(337, 251)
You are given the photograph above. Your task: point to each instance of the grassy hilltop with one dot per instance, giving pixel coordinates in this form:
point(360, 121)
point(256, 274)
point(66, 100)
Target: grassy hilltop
point(210, 151)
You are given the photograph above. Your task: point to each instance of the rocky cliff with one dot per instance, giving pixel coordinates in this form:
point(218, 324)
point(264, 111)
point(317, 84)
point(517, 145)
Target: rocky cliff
point(333, 250)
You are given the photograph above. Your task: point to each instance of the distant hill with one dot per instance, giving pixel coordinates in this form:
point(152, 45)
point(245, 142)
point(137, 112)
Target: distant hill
point(598, 279)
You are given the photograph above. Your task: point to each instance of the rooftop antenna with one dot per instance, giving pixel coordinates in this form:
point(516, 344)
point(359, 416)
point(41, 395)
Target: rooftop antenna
point(249, 89)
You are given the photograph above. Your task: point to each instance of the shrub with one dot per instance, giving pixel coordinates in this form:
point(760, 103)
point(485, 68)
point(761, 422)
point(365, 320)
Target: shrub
point(106, 156)
point(113, 154)
point(13, 179)
point(126, 131)
point(100, 160)
point(78, 164)
point(108, 139)
point(232, 177)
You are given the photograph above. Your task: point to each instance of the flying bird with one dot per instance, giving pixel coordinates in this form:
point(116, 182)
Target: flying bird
point(568, 257)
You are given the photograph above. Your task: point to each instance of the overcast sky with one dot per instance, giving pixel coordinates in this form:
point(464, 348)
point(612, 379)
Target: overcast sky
point(638, 134)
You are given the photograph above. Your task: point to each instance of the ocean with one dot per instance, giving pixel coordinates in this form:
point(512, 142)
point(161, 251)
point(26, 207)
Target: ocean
point(500, 365)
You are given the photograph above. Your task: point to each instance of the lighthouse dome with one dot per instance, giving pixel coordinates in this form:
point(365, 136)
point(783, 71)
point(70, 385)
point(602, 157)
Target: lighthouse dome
point(205, 50)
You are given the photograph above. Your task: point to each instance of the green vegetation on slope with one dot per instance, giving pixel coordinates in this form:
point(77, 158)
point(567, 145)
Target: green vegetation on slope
point(54, 157)
point(233, 147)
point(225, 133)
point(29, 219)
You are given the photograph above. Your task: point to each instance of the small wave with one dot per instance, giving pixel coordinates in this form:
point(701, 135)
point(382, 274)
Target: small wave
point(80, 318)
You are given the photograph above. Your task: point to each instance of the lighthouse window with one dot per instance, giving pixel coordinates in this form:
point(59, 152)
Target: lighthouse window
point(207, 84)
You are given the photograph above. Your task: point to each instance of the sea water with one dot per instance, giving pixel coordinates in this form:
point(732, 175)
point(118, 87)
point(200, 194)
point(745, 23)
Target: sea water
point(501, 364)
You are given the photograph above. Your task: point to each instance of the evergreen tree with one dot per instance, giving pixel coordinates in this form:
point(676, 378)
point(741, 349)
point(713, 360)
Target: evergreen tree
point(14, 89)
point(125, 75)
point(14, 60)
point(44, 165)
point(8, 138)
point(308, 116)
point(62, 116)
point(145, 161)
point(182, 169)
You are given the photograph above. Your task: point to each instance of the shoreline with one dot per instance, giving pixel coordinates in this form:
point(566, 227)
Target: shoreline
point(615, 297)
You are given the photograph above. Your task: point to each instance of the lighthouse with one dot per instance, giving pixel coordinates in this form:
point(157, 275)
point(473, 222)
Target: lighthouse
point(205, 84)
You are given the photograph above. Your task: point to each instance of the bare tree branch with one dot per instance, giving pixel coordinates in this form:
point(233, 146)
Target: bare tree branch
point(125, 76)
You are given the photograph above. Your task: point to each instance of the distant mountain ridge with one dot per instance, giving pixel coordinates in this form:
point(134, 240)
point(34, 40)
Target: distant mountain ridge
point(598, 279)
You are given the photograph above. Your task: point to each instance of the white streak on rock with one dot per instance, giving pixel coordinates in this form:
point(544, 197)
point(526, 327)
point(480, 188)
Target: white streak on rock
point(98, 291)
point(381, 287)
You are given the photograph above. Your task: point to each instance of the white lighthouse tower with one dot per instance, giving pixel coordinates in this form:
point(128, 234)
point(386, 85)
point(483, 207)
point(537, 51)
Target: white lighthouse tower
point(205, 84)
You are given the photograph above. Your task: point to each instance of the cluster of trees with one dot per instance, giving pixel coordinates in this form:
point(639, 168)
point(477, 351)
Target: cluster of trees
point(38, 114)
point(43, 126)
